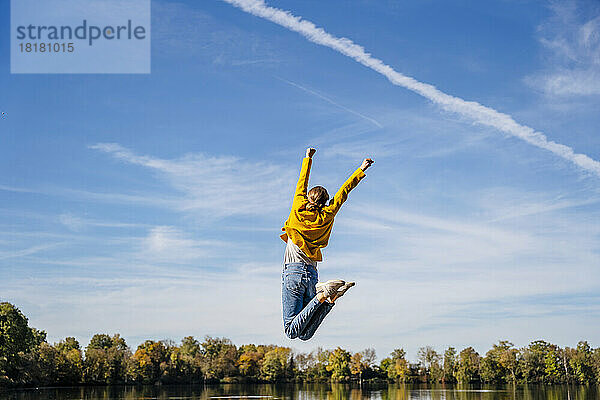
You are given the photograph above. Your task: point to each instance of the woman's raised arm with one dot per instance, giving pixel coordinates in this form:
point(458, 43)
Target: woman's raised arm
point(342, 194)
point(302, 185)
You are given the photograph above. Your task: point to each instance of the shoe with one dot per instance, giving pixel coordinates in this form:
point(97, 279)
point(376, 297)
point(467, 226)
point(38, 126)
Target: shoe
point(330, 287)
point(319, 286)
point(342, 289)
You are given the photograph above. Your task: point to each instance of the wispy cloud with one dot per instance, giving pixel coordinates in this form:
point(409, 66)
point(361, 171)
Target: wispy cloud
point(216, 186)
point(146, 199)
point(501, 203)
point(181, 30)
point(327, 99)
point(15, 189)
point(13, 253)
point(468, 109)
point(77, 223)
point(571, 38)
point(171, 245)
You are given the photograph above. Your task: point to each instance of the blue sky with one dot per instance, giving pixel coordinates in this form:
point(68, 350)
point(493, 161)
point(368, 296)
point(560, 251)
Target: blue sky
point(150, 205)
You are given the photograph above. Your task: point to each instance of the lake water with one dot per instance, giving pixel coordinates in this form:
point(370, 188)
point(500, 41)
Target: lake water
point(309, 392)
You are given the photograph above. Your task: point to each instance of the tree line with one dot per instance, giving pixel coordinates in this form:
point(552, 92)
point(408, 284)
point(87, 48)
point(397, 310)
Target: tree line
point(27, 359)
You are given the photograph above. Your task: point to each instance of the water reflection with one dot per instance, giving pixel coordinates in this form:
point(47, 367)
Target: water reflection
point(309, 392)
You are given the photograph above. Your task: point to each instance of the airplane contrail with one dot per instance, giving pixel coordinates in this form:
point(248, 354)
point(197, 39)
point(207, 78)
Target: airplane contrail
point(327, 99)
point(470, 109)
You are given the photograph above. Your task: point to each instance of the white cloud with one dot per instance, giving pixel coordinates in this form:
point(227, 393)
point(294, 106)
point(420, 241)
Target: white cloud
point(217, 186)
point(77, 223)
point(502, 203)
point(18, 253)
point(150, 200)
point(571, 38)
point(168, 244)
point(71, 221)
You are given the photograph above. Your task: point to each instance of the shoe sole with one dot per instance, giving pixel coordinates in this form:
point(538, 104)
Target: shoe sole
point(338, 281)
point(346, 286)
point(341, 291)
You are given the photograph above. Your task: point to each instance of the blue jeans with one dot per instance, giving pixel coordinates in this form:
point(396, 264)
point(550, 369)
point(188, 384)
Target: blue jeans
point(302, 311)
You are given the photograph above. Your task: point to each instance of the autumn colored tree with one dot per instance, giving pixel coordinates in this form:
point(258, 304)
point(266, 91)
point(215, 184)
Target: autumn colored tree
point(361, 362)
point(26, 359)
point(357, 366)
point(275, 364)
point(339, 365)
point(398, 368)
point(148, 362)
point(250, 361)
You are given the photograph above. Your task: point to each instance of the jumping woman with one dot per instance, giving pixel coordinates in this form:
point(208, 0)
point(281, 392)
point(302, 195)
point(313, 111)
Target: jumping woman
point(306, 302)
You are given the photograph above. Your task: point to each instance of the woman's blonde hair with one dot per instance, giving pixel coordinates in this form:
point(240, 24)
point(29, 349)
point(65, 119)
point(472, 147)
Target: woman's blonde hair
point(317, 198)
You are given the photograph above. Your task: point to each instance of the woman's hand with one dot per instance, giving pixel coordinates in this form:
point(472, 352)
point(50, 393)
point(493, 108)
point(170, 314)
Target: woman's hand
point(366, 164)
point(310, 152)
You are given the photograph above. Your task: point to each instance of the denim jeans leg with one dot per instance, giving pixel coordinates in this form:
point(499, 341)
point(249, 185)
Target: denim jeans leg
point(298, 298)
point(315, 321)
point(312, 325)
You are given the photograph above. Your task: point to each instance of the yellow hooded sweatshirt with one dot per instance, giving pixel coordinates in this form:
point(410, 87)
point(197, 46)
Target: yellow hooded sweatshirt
point(310, 230)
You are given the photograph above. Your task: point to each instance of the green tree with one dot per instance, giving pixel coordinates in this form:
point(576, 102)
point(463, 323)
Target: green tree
point(272, 369)
point(16, 339)
point(275, 365)
point(46, 373)
point(68, 362)
point(429, 362)
point(553, 372)
point(384, 367)
point(316, 365)
point(100, 341)
point(532, 363)
point(450, 364)
point(468, 366)
point(219, 358)
point(339, 365)
point(500, 363)
point(581, 363)
point(322, 373)
point(509, 361)
point(190, 346)
point(191, 360)
point(106, 360)
point(596, 365)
